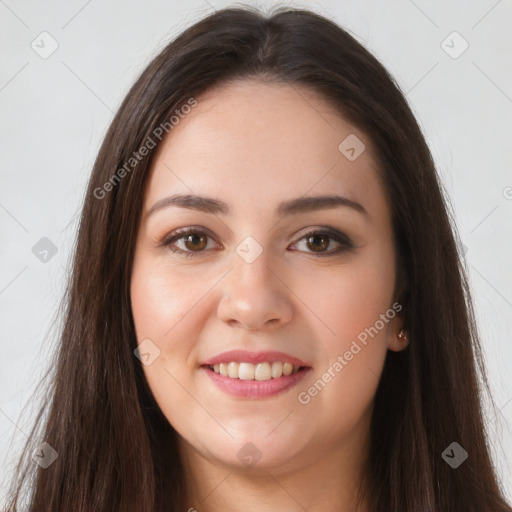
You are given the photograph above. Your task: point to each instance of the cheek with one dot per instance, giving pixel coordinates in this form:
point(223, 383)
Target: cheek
point(355, 305)
point(163, 311)
point(160, 299)
point(161, 307)
point(350, 300)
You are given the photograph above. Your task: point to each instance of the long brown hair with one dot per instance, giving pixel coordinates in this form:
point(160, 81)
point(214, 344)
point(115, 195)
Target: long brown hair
point(116, 450)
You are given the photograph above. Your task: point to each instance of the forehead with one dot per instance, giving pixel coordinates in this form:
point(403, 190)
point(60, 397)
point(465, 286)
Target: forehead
point(254, 144)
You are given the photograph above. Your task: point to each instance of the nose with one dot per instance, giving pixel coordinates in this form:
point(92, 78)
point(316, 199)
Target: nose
point(255, 296)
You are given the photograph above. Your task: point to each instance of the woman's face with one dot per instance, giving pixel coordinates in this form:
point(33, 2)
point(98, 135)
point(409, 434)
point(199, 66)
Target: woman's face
point(268, 270)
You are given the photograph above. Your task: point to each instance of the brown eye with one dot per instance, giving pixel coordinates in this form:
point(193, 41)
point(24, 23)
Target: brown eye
point(324, 242)
point(318, 243)
point(195, 242)
point(189, 242)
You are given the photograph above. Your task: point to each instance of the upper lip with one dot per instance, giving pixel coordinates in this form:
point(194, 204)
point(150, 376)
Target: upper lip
point(244, 356)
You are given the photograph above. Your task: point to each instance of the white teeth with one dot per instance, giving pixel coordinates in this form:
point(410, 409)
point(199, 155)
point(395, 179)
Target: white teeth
point(277, 369)
point(245, 371)
point(263, 372)
point(287, 368)
point(233, 370)
point(259, 371)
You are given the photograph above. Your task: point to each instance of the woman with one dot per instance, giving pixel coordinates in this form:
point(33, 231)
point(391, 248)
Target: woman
point(267, 308)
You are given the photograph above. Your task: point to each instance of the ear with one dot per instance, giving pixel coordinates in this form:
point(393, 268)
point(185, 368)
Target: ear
point(398, 336)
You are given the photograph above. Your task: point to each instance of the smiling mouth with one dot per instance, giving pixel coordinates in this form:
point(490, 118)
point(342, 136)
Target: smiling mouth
point(258, 372)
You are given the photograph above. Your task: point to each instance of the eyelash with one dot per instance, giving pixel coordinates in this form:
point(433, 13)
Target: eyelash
point(332, 234)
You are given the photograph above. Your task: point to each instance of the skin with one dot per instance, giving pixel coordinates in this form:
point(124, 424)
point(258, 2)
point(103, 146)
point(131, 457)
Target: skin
point(254, 144)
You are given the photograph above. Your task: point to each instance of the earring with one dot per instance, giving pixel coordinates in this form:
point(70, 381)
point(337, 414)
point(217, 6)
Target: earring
point(402, 336)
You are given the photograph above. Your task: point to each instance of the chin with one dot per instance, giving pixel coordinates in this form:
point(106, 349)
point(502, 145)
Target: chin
point(254, 452)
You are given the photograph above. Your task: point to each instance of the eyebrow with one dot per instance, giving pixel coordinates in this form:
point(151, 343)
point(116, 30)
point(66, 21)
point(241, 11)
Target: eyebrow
point(285, 208)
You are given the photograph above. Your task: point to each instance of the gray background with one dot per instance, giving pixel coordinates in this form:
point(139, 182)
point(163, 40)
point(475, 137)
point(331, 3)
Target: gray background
point(55, 111)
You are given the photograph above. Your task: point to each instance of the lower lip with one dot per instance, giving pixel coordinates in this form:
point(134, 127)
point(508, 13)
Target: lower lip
point(255, 389)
